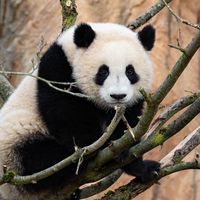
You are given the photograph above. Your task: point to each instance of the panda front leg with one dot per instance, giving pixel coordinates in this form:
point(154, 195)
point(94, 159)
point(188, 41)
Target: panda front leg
point(144, 170)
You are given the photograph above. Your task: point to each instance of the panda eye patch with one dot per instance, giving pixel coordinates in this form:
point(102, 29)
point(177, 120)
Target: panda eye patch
point(102, 74)
point(131, 74)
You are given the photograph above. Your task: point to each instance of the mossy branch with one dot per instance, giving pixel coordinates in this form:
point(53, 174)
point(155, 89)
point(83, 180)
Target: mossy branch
point(69, 13)
point(168, 166)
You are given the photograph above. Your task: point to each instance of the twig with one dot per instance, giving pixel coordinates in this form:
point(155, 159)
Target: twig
point(80, 161)
point(129, 129)
point(179, 19)
point(177, 47)
point(50, 83)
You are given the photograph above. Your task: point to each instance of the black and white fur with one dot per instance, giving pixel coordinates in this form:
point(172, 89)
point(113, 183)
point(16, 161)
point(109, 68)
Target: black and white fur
point(38, 124)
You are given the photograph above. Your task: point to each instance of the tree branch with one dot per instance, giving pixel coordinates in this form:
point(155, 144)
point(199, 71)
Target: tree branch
point(156, 8)
point(135, 187)
point(179, 19)
point(69, 13)
point(101, 185)
point(164, 133)
point(170, 112)
point(182, 149)
point(50, 83)
point(169, 164)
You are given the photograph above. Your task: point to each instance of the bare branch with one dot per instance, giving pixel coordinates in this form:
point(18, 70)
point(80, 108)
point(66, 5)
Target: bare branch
point(182, 149)
point(157, 7)
point(50, 83)
point(179, 19)
point(177, 47)
point(129, 129)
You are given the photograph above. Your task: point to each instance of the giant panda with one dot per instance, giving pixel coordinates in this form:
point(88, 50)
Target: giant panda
point(40, 125)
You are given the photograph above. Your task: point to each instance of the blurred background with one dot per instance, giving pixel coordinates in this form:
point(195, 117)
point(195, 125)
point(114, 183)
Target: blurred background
point(24, 23)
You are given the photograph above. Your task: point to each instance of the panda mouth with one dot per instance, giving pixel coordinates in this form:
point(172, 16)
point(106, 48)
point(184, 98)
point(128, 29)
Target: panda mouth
point(115, 103)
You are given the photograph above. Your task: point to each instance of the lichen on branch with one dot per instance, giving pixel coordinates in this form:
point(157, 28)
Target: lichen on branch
point(69, 13)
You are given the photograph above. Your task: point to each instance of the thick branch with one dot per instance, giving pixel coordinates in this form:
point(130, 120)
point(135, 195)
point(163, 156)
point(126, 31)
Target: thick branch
point(135, 187)
point(101, 185)
point(182, 149)
point(163, 134)
point(172, 160)
point(170, 112)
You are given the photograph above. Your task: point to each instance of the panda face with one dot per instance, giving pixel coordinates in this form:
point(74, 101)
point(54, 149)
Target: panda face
point(110, 62)
point(114, 72)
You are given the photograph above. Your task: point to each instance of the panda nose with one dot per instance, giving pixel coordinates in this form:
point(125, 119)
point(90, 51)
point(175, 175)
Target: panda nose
point(118, 96)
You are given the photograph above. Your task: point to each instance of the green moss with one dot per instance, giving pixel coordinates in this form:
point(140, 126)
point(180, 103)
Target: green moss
point(8, 176)
point(69, 13)
point(159, 136)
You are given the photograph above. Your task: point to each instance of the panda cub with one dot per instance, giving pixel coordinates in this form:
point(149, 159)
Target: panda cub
point(39, 124)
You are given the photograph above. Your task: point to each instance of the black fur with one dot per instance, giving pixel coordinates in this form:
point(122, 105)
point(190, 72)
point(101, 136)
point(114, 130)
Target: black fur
point(84, 35)
point(68, 118)
point(102, 74)
point(37, 152)
point(131, 74)
point(147, 37)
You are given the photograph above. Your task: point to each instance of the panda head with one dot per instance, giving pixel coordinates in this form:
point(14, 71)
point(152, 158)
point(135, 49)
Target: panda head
point(110, 62)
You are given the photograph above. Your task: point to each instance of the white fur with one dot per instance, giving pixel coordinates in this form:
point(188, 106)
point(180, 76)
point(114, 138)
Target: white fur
point(117, 47)
point(18, 117)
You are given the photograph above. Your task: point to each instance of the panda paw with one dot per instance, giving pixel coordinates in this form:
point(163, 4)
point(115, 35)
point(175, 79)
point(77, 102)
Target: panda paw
point(143, 170)
point(75, 195)
point(151, 170)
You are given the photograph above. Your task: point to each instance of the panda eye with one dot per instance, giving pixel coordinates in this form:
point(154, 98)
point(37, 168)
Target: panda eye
point(130, 70)
point(131, 74)
point(102, 74)
point(103, 71)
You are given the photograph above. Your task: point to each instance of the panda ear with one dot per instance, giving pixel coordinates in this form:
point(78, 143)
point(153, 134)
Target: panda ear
point(84, 35)
point(147, 37)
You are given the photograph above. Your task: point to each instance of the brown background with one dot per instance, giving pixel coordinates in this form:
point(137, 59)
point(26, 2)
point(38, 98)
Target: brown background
point(23, 23)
